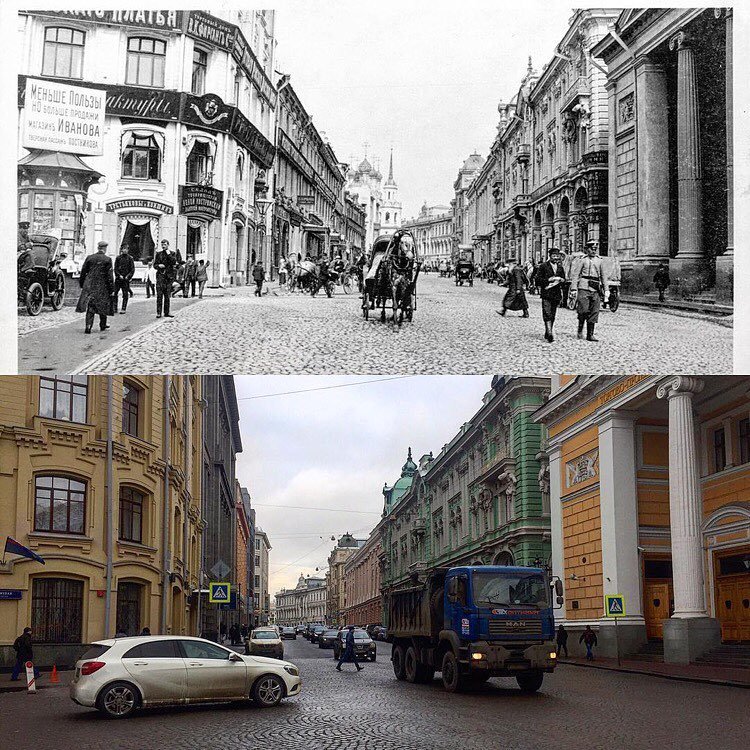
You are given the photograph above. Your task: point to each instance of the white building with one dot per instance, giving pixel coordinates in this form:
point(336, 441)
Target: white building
point(391, 214)
point(262, 602)
point(187, 141)
point(302, 604)
point(433, 233)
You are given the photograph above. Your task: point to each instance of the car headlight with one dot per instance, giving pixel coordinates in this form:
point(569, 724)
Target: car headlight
point(292, 670)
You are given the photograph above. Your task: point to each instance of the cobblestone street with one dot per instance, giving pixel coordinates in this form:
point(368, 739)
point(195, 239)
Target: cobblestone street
point(576, 708)
point(455, 330)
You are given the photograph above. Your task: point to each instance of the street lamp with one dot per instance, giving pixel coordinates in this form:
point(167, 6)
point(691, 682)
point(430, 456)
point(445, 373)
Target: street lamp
point(261, 209)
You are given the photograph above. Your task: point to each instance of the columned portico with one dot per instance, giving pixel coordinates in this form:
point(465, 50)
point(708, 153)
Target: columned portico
point(690, 631)
point(621, 573)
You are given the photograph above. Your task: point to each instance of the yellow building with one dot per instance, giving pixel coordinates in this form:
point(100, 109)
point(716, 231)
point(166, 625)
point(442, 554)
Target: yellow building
point(103, 482)
point(650, 498)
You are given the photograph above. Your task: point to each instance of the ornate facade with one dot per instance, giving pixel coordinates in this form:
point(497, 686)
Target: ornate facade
point(649, 479)
point(101, 476)
point(335, 597)
point(433, 233)
point(462, 226)
point(479, 501)
point(362, 576)
point(306, 603)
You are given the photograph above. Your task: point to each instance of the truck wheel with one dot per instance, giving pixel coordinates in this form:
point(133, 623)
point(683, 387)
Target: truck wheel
point(453, 680)
point(530, 682)
point(415, 670)
point(397, 657)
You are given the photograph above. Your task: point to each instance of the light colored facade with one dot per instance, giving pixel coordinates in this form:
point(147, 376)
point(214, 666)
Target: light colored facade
point(433, 233)
point(355, 228)
point(649, 480)
point(550, 178)
point(308, 209)
point(391, 213)
point(242, 544)
point(480, 500)
point(670, 147)
point(461, 222)
point(187, 141)
point(101, 477)
point(344, 548)
point(262, 598)
point(481, 213)
point(363, 183)
point(362, 576)
point(306, 603)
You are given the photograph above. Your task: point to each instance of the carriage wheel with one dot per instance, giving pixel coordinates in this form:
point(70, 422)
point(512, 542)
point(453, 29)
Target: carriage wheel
point(365, 307)
point(346, 284)
point(34, 298)
point(58, 295)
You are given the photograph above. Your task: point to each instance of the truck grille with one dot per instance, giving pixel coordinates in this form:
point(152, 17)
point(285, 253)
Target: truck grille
point(515, 627)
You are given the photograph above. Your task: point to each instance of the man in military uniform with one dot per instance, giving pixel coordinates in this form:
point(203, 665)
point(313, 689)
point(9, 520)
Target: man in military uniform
point(97, 288)
point(124, 270)
point(588, 278)
point(166, 263)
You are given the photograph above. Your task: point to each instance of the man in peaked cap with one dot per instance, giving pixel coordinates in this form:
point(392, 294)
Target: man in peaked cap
point(97, 282)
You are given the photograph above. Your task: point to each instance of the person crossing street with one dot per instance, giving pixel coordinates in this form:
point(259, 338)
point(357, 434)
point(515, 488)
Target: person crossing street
point(589, 281)
point(97, 288)
point(166, 263)
point(515, 297)
point(550, 277)
point(349, 654)
point(124, 270)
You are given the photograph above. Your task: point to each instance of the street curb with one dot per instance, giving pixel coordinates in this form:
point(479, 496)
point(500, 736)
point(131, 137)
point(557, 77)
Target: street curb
point(680, 678)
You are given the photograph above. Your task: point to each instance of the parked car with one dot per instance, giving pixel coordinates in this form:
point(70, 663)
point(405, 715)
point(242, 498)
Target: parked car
point(371, 629)
point(119, 675)
point(300, 629)
point(380, 634)
point(288, 633)
point(265, 642)
point(364, 646)
point(327, 638)
point(315, 633)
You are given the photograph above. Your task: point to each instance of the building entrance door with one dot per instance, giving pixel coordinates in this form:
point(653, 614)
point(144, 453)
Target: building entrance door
point(657, 607)
point(733, 608)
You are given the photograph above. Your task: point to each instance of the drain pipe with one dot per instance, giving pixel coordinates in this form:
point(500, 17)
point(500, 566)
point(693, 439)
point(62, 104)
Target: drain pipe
point(165, 575)
point(110, 516)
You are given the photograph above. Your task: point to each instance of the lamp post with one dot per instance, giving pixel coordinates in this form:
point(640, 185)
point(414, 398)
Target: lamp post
point(261, 209)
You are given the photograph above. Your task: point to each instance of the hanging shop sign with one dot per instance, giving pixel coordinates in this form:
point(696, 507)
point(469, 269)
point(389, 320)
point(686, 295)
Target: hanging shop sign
point(207, 111)
point(61, 117)
point(210, 29)
point(130, 101)
point(201, 199)
point(249, 136)
point(306, 200)
point(134, 203)
point(171, 20)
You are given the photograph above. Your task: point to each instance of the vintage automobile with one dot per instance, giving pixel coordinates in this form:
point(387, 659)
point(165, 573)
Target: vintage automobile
point(40, 278)
point(464, 272)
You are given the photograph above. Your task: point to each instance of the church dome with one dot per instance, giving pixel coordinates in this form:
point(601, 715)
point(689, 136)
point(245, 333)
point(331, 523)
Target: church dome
point(365, 166)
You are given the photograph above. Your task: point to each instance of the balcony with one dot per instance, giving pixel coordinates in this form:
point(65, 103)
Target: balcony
point(520, 200)
point(596, 158)
point(578, 88)
point(524, 153)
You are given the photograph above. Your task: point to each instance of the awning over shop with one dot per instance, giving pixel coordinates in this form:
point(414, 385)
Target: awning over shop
point(58, 160)
point(316, 228)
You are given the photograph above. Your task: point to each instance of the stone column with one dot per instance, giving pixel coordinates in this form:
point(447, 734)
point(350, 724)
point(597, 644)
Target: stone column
point(689, 263)
point(556, 523)
point(618, 507)
point(690, 631)
point(725, 262)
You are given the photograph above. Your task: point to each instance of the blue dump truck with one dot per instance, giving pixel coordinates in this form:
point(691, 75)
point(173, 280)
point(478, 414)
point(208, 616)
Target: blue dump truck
point(472, 623)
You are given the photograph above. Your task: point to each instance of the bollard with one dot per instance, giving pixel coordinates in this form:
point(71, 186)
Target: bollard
point(30, 679)
point(54, 676)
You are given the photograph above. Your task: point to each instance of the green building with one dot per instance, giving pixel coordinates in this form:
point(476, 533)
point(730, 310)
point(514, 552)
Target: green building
point(483, 500)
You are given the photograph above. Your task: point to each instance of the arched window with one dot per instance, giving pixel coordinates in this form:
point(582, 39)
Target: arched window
point(59, 504)
point(200, 163)
point(145, 63)
point(57, 610)
point(387, 216)
point(63, 52)
point(131, 514)
point(141, 156)
point(239, 172)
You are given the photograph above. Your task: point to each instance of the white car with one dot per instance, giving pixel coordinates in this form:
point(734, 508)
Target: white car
point(266, 642)
point(119, 675)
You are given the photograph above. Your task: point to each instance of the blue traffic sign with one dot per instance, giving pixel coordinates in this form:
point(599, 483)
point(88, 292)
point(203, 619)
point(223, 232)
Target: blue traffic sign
point(219, 593)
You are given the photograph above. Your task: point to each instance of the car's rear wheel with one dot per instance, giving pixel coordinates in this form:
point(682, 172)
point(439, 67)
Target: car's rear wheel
point(58, 294)
point(268, 690)
point(118, 700)
point(34, 298)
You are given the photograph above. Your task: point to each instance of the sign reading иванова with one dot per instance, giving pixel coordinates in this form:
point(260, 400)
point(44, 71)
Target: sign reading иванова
point(61, 117)
point(201, 199)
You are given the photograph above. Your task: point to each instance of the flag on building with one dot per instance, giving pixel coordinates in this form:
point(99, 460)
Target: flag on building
point(15, 548)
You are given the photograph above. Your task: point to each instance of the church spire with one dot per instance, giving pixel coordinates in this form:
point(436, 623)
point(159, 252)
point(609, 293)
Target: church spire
point(390, 170)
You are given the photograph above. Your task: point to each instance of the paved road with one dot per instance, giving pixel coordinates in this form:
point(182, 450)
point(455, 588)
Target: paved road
point(455, 330)
point(577, 708)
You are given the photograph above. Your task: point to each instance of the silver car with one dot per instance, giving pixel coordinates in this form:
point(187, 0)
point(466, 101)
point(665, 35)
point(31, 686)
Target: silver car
point(119, 675)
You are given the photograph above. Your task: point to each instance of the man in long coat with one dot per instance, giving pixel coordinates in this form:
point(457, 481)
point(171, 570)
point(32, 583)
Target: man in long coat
point(97, 282)
point(515, 297)
point(550, 277)
point(166, 263)
point(124, 271)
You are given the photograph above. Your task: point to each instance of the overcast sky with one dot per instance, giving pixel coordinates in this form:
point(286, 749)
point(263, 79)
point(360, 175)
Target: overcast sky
point(335, 449)
point(423, 77)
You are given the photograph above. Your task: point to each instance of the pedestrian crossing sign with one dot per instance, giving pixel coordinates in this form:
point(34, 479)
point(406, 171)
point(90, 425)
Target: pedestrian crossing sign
point(614, 605)
point(219, 593)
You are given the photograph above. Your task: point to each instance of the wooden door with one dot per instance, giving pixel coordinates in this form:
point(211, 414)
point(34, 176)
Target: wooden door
point(656, 595)
point(733, 608)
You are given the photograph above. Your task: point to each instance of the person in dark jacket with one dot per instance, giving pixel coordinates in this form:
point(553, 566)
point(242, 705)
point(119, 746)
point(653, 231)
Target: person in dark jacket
point(24, 652)
point(259, 276)
point(550, 277)
point(562, 640)
point(588, 638)
point(662, 280)
point(124, 270)
point(348, 654)
point(146, 631)
point(166, 263)
point(97, 288)
point(515, 297)
point(191, 271)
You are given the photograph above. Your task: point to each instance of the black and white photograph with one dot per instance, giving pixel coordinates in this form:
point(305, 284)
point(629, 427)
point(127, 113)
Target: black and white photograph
point(311, 191)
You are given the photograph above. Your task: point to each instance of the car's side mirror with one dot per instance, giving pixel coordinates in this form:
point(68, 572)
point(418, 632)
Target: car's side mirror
point(234, 657)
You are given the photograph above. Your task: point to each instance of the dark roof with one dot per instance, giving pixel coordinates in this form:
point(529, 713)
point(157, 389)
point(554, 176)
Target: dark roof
point(58, 160)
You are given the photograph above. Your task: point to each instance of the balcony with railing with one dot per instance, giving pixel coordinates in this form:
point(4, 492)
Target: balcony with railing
point(578, 88)
point(524, 153)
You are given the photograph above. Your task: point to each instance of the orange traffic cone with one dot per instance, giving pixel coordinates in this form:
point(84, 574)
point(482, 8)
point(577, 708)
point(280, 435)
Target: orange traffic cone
point(54, 677)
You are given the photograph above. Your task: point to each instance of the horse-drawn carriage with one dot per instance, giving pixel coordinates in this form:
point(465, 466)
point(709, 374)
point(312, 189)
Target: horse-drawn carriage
point(40, 278)
point(464, 272)
point(391, 279)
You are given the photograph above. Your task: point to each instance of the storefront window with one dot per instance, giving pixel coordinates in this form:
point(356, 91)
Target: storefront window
point(200, 63)
point(141, 158)
point(199, 164)
point(145, 64)
point(194, 244)
point(63, 53)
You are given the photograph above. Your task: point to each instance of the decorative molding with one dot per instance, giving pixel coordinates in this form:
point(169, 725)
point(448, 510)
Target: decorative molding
point(581, 469)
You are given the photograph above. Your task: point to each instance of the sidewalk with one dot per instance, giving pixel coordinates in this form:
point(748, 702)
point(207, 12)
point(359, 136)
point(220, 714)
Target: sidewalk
point(42, 682)
point(733, 677)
